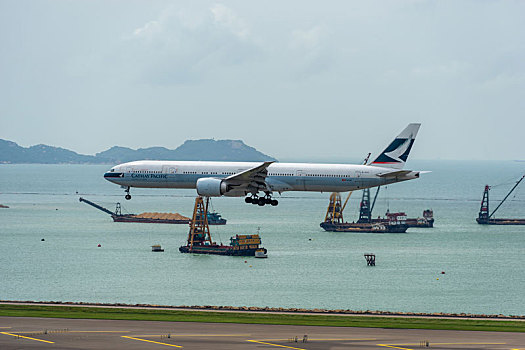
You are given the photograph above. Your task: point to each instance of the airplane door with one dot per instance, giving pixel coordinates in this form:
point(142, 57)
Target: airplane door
point(300, 180)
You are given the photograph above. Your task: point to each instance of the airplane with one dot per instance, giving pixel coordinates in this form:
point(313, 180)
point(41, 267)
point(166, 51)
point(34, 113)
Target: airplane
point(248, 179)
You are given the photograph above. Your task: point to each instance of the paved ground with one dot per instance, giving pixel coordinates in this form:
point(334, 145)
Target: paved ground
point(49, 333)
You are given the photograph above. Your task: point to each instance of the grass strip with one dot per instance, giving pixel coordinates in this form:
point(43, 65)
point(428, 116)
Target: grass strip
point(258, 318)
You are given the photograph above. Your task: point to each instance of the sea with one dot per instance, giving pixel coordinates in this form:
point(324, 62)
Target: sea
point(49, 245)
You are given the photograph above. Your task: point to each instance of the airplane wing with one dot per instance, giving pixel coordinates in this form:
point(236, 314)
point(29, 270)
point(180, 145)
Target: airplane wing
point(250, 179)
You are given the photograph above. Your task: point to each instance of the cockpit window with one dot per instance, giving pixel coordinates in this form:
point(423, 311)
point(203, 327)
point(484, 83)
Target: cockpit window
point(112, 170)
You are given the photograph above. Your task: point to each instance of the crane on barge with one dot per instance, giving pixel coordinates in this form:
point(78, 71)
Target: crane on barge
point(199, 237)
point(485, 219)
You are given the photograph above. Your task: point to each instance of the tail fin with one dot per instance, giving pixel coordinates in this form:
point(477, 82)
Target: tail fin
point(396, 154)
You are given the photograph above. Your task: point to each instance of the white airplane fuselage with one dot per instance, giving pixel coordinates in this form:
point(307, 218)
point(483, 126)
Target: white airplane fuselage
point(281, 177)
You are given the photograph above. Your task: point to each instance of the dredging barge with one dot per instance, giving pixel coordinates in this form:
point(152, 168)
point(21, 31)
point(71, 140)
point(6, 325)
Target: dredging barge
point(391, 223)
point(200, 242)
point(485, 219)
point(152, 217)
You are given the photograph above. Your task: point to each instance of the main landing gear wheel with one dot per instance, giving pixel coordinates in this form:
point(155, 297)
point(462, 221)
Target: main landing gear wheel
point(261, 201)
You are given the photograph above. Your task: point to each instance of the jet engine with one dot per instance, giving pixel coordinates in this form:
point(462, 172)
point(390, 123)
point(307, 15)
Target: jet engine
point(211, 187)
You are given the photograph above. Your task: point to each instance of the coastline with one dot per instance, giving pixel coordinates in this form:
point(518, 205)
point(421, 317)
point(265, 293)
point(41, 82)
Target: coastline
point(272, 310)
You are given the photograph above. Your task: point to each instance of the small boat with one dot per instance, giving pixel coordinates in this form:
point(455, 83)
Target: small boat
point(156, 248)
point(261, 253)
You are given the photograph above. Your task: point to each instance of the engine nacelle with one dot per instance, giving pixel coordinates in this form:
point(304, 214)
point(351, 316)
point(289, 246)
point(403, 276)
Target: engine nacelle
point(211, 187)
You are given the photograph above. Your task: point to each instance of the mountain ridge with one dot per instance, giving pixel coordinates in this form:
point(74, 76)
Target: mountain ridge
point(203, 149)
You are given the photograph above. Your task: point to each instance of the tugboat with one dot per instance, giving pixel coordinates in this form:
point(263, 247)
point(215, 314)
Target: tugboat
point(214, 218)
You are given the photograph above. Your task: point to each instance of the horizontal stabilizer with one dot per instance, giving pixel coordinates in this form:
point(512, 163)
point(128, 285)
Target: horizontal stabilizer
point(395, 173)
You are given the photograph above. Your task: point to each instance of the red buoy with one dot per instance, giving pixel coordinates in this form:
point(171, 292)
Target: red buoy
point(99, 246)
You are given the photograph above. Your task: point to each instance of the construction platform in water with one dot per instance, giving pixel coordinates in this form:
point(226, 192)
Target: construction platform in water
point(392, 223)
point(153, 217)
point(200, 242)
point(485, 219)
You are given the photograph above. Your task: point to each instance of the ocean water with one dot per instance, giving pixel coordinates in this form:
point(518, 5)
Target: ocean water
point(307, 267)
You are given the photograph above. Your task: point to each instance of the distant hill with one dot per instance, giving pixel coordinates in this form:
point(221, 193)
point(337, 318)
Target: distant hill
point(206, 149)
point(10, 152)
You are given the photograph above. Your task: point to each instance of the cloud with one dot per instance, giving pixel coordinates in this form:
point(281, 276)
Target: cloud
point(225, 17)
point(446, 69)
point(311, 50)
point(309, 39)
point(149, 29)
point(184, 46)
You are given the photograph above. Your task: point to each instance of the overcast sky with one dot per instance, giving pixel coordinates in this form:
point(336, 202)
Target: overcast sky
point(295, 79)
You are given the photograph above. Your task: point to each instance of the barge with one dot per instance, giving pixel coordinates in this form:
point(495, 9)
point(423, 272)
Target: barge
point(240, 245)
point(153, 217)
point(199, 238)
point(391, 223)
point(394, 224)
point(426, 221)
point(484, 218)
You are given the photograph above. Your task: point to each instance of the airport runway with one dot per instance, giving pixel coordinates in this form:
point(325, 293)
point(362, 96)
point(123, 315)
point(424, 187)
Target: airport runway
point(56, 333)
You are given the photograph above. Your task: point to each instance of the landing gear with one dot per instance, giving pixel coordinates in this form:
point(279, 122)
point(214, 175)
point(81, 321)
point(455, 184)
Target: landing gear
point(127, 196)
point(262, 201)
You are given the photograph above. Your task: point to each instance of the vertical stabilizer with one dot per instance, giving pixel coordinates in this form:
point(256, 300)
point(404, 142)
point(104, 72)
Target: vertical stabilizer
point(396, 154)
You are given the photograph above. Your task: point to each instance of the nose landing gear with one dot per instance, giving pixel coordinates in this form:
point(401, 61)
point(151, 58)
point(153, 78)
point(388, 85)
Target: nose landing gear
point(127, 196)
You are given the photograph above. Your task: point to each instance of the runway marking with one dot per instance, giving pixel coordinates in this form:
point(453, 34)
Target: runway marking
point(151, 341)
point(281, 346)
point(21, 336)
point(393, 347)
